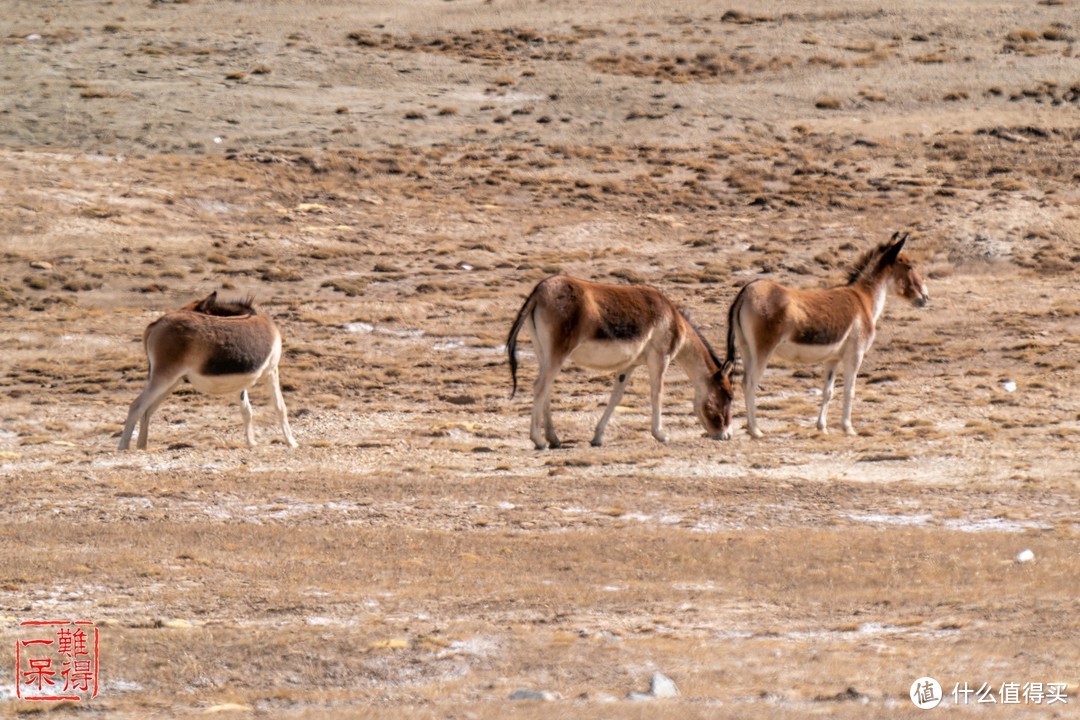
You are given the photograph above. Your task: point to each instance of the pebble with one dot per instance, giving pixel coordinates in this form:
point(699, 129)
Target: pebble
point(1025, 556)
point(41, 265)
point(662, 687)
point(226, 707)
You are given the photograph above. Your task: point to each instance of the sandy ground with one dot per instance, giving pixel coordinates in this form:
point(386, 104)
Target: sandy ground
point(389, 180)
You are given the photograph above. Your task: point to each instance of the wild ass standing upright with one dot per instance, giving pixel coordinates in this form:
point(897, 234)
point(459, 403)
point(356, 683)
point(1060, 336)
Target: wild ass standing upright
point(219, 348)
point(834, 326)
point(616, 328)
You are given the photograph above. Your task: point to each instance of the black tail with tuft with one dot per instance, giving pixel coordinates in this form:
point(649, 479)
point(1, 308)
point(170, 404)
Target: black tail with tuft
point(511, 340)
point(733, 313)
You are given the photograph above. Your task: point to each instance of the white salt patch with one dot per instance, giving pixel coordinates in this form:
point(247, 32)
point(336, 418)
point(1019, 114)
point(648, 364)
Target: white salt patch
point(142, 503)
point(365, 328)
point(883, 519)
point(640, 517)
point(120, 686)
point(405, 333)
point(475, 647)
point(994, 525)
point(359, 327)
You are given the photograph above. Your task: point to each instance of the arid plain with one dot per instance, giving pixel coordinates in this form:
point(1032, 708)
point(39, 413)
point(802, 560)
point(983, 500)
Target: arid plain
point(389, 179)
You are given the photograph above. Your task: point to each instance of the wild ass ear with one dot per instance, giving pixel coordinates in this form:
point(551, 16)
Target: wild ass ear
point(894, 251)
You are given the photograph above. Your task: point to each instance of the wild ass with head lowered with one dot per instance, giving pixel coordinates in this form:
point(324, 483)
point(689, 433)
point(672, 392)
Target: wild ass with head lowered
point(220, 348)
point(834, 326)
point(616, 328)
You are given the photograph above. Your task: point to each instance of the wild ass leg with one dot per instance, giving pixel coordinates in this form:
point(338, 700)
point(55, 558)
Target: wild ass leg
point(826, 396)
point(657, 367)
point(616, 398)
point(134, 410)
point(144, 423)
point(749, 386)
point(851, 370)
point(541, 414)
point(279, 406)
point(155, 392)
point(753, 369)
point(245, 411)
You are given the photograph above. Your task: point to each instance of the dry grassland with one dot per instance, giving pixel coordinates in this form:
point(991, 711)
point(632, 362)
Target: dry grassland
point(390, 179)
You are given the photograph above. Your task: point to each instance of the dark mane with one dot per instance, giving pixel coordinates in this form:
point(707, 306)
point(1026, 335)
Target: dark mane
point(210, 305)
point(708, 347)
point(867, 261)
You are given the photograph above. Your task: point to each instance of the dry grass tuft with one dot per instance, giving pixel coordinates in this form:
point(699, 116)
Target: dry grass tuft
point(740, 17)
point(352, 287)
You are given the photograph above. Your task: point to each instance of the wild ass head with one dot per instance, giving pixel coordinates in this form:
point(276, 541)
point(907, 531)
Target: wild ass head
point(903, 275)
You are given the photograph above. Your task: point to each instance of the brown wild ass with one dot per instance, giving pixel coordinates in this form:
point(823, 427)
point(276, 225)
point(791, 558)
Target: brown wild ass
point(834, 326)
point(220, 348)
point(616, 328)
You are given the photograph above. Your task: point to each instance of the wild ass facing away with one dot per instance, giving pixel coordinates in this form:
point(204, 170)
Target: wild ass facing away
point(616, 328)
point(833, 326)
point(220, 348)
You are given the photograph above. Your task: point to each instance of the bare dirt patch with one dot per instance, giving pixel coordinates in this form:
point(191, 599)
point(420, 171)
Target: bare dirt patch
point(390, 181)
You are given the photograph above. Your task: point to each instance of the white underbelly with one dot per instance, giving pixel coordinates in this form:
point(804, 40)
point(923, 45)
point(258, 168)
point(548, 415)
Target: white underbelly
point(223, 384)
point(612, 355)
point(809, 354)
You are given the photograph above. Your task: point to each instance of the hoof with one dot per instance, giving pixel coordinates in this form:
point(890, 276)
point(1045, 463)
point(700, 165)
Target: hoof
point(596, 442)
point(756, 434)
